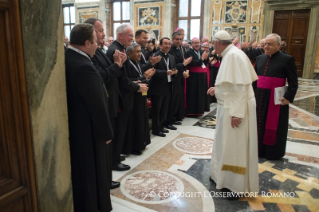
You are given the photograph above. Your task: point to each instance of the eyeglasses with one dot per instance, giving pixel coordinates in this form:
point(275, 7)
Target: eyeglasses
point(132, 36)
point(269, 44)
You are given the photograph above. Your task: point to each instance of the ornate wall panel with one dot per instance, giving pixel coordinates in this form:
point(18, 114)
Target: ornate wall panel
point(85, 13)
point(149, 17)
point(255, 11)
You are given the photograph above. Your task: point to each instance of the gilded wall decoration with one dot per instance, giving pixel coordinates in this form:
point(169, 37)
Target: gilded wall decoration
point(255, 11)
point(148, 16)
point(84, 14)
point(217, 12)
point(254, 33)
point(236, 12)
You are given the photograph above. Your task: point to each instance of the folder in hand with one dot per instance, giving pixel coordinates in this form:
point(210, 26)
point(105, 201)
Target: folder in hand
point(279, 93)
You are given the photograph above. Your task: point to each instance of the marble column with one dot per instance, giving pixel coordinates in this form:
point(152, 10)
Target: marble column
point(207, 19)
point(312, 41)
point(167, 29)
point(42, 35)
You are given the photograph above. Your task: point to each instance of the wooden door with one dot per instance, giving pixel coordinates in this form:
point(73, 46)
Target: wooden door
point(292, 26)
point(17, 183)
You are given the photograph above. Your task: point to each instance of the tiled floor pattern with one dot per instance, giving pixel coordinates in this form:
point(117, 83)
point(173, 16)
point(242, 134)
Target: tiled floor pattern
point(151, 183)
point(174, 163)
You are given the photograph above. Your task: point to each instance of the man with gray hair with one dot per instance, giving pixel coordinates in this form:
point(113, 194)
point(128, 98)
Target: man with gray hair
point(274, 69)
point(234, 164)
point(124, 38)
point(138, 132)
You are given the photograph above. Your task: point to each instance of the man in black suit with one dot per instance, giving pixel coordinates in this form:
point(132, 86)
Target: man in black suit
point(141, 38)
point(124, 37)
point(109, 72)
point(161, 87)
point(89, 125)
point(176, 103)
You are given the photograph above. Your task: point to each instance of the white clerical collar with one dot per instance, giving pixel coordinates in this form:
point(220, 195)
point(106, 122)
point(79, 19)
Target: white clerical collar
point(79, 51)
point(226, 50)
point(164, 53)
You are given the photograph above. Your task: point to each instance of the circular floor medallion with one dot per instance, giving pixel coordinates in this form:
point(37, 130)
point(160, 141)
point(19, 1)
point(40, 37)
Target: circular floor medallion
point(194, 145)
point(151, 187)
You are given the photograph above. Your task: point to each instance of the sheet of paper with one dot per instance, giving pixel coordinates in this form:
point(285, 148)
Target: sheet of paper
point(169, 78)
point(279, 93)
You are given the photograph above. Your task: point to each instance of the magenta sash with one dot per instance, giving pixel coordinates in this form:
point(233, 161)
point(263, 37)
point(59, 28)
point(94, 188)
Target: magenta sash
point(196, 69)
point(273, 110)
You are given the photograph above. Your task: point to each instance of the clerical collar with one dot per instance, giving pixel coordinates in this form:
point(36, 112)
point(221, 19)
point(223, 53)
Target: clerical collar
point(176, 47)
point(122, 44)
point(274, 54)
point(80, 52)
point(226, 50)
point(195, 50)
point(132, 60)
point(163, 53)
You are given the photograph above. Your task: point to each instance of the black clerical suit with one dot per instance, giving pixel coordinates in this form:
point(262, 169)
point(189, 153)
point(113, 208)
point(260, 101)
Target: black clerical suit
point(89, 128)
point(176, 103)
point(110, 72)
point(253, 53)
point(197, 99)
point(126, 88)
point(138, 132)
point(282, 66)
point(160, 91)
point(213, 71)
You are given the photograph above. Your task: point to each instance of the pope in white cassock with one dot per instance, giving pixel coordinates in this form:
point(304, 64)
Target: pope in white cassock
point(234, 164)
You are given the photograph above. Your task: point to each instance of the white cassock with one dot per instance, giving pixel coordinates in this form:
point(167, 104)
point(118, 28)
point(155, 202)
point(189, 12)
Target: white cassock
point(234, 162)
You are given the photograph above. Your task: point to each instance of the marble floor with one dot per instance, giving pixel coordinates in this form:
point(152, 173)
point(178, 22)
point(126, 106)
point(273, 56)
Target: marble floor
point(173, 173)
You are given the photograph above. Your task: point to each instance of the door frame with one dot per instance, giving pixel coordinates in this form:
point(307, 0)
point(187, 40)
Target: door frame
point(19, 88)
point(271, 6)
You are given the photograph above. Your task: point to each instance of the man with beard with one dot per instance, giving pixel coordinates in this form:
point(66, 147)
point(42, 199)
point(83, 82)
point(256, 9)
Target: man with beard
point(274, 69)
point(197, 101)
point(124, 38)
point(161, 88)
point(176, 104)
point(138, 133)
point(89, 125)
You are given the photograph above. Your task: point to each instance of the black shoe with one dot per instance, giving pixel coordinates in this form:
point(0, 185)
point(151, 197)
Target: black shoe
point(136, 152)
point(159, 134)
point(171, 127)
point(122, 158)
point(178, 123)
point(115, 184)
point(121, 167)
point(165, 131)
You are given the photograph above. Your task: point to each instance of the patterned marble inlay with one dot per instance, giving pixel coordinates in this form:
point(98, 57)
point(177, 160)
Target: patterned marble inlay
point(194, 145)
point(152, 187)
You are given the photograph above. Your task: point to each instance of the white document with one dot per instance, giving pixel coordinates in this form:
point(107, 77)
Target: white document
point(279, 93)
point(169, 78)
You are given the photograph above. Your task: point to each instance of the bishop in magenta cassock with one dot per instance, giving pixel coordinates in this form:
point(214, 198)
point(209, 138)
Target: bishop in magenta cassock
point(274, 69)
